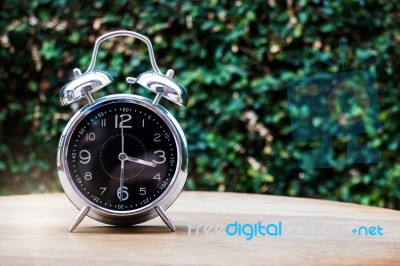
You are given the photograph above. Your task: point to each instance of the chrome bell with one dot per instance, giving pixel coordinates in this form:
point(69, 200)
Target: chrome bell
point(83, 85)
point(163, 85)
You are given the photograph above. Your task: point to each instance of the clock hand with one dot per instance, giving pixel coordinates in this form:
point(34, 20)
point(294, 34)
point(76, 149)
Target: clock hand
point(137, 160)
point(122, 158)
point(122, 140)
point(121, 180)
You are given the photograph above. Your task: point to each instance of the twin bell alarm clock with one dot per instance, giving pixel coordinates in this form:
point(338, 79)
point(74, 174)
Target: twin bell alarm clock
point(122, 159)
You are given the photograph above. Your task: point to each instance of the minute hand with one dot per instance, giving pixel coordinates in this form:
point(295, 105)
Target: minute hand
point(137, 160)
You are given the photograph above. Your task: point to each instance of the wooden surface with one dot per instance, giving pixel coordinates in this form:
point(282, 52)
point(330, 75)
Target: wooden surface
point(34, 231)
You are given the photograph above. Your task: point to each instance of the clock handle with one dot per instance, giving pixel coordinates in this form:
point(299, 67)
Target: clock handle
point(127, 34)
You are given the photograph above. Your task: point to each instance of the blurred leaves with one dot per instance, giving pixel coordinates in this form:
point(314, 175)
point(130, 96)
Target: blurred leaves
point(234, 57)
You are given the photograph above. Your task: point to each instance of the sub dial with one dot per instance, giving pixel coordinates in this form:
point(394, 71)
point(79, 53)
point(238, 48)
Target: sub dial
point(110, 156)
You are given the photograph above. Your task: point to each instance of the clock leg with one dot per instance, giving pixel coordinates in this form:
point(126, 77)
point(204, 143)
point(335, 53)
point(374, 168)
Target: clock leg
point(164, 216)
point(79, 218)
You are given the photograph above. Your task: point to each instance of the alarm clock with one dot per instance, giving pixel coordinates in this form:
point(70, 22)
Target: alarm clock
point(122, 159)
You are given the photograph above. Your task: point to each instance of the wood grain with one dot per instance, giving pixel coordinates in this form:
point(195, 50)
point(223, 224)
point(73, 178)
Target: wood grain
point(34, 231)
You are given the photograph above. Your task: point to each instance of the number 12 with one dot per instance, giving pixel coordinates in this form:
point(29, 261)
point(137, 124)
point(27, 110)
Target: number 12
point(124, 118)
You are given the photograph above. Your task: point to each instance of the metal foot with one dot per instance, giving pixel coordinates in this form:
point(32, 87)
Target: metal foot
point(79, 218)
point(164, 216)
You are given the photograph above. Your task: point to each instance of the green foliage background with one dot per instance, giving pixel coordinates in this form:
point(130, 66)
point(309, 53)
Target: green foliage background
point(234, 58)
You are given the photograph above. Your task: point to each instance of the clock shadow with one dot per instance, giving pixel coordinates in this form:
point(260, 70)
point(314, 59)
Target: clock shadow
point(137, 229)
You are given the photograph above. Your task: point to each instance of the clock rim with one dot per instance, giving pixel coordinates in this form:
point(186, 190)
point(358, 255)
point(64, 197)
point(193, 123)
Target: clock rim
point(130, 217)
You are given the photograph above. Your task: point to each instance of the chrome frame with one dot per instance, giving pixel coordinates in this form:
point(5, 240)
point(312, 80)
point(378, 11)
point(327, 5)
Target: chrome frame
point(123, 218)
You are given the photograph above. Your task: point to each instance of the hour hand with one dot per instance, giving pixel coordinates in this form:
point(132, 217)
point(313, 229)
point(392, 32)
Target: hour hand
point(137, 160)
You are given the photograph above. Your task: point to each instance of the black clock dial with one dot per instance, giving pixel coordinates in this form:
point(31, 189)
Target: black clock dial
point(122, 156)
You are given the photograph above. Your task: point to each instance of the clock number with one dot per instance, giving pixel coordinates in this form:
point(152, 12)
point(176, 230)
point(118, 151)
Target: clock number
point(161, 156)
point(84, 155)
point(88, 176)
point(142, 191)
point(143, 123)
point(157, 137)
point(124, 195)
point(90, 136)
point(103, 122)
point(157, 176)
point(164, 184)
point(145, 201)
point(124, 118)
point(103, 189)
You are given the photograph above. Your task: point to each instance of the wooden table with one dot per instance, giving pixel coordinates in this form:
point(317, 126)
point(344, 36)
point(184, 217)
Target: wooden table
point(34, 231)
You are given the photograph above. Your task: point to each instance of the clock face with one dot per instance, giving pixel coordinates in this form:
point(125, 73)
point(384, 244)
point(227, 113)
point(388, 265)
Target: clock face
point(122, 156)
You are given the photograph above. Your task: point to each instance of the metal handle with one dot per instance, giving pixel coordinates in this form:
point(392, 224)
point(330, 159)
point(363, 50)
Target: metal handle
point(127, 34)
